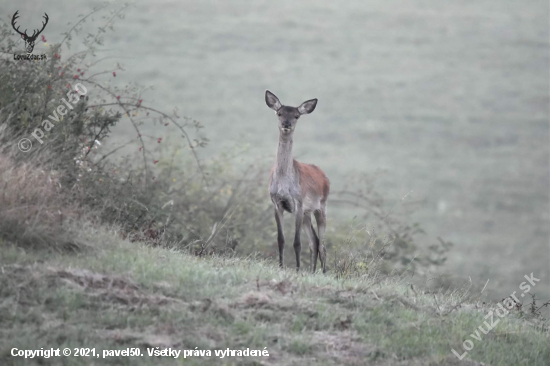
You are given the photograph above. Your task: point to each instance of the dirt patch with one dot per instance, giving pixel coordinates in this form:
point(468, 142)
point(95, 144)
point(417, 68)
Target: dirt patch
point(111, 289)
point(284, 287)
point(25, 284)
point(216, 308)
point(140, 339)
point(343, 347)
point(92, 280)
point(253, 301)
point(256, 299)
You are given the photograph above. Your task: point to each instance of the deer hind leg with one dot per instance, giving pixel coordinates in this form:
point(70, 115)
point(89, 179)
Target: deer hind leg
point(321, 218)
point(297, 244)
point(313, 241)
point(280, 233)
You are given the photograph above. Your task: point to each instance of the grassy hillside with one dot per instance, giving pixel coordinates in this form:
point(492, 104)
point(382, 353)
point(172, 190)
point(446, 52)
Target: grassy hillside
point(119, 294)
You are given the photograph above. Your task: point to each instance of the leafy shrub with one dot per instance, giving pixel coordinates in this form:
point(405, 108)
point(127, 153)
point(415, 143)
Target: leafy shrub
point(162, 194)
point(376, 239)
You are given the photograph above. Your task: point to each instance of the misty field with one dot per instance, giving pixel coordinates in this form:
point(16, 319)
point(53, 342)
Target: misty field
point(145, 220)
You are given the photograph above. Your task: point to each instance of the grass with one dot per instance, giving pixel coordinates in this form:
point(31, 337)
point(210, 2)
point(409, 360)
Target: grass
point(120, 294)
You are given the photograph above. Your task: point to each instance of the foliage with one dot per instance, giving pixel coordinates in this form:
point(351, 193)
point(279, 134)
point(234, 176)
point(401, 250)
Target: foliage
point(378, 236)
point(161, 192)
point(179, 210)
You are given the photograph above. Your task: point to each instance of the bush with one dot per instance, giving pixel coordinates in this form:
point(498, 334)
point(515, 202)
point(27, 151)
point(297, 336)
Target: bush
point(203, 206)
point(376, 239)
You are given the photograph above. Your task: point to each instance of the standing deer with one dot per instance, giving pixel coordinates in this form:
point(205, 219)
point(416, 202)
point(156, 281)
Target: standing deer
point(301, 189)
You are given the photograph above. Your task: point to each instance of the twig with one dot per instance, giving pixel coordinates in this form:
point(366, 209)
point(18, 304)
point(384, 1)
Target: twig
point(435, 298)
point(82, 20)
point(185, 134)
point(484, 286)
point(123, 106)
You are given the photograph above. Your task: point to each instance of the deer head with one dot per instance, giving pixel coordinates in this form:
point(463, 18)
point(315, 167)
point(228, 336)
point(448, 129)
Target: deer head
point(29, 40)
point(288, 116)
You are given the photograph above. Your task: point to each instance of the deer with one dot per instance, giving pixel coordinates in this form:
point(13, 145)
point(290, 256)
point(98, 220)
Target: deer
point(29, 40)
point(300, 189)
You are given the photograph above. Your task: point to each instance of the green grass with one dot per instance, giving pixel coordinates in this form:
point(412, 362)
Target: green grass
point(120, 294)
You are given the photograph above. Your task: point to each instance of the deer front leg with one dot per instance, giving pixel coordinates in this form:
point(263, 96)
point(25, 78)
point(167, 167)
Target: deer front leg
point(297, 245)
point(280, 233)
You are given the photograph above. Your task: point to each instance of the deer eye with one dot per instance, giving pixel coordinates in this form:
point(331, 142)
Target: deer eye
point(297, 116)
point(279, 114)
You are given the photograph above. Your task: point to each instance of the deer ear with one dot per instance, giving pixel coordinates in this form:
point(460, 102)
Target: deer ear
point(308, 106)
point(272, 101)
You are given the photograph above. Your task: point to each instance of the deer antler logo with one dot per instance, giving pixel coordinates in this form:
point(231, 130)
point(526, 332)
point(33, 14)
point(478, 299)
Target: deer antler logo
point(29, 40)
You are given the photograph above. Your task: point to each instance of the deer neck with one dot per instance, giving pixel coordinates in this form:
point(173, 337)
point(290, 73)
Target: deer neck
point(284, 165)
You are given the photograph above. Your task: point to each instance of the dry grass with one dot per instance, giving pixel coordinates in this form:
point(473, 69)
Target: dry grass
point(33, 213)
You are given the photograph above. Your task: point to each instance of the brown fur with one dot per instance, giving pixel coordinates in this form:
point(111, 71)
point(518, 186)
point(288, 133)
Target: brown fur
point(312, 179)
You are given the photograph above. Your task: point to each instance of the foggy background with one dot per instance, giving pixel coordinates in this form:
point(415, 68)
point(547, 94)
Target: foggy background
point(449, 100)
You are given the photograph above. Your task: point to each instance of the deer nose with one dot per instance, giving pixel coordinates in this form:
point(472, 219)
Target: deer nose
point(286, 124)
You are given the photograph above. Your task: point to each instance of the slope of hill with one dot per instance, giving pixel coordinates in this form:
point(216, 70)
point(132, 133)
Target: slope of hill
point(118, 295)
